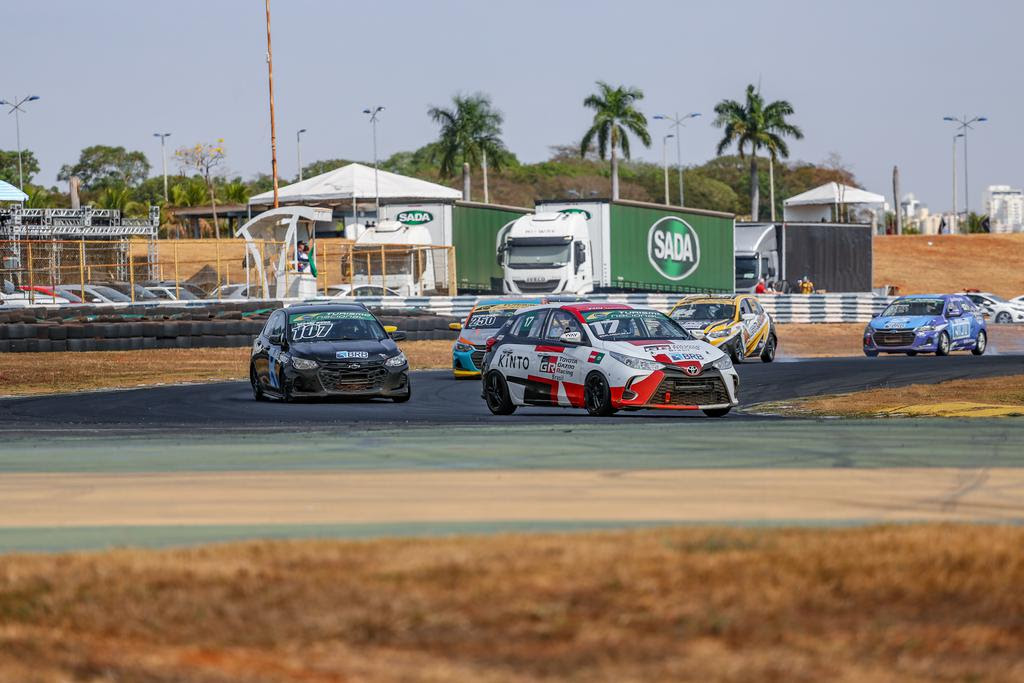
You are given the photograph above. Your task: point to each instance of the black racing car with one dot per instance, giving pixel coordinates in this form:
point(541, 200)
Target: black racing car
point(328, 350)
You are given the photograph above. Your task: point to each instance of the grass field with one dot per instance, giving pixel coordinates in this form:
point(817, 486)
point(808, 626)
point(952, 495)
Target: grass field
point(904, 603)
point(961, 398)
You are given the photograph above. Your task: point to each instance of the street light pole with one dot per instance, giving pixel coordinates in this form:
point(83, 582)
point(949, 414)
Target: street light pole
point(15, 108)
point(163, 156)
point(298, 150)
point(376, 184)
point(677, 121)
point(952, 228)
point(965, 124)
point(664, 162)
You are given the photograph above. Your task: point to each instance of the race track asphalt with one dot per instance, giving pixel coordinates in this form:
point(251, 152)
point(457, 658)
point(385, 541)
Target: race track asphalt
point(440, 400)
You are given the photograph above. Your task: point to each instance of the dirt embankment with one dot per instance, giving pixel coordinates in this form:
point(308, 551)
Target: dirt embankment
point(924, 264)
point(906, 603)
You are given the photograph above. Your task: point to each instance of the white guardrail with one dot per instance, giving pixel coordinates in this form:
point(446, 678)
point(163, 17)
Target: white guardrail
point(785, 308)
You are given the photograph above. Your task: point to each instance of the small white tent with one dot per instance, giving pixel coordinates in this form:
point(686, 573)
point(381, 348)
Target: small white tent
point(823, 202)
point(352, 183)
point(9, 193)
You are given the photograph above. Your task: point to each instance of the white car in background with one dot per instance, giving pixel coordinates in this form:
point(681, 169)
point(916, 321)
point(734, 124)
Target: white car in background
point(339, 291)
point(171, 293)
point(996, 308)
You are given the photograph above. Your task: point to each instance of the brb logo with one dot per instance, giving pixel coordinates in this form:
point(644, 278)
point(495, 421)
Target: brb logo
point(673, 248)
point(414, 217)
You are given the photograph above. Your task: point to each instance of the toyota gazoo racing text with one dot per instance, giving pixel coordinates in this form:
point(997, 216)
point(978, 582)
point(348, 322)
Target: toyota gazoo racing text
point(480, 325)
point(605, 358)
point(738, 325)
point(927, 323)
point(328, 350)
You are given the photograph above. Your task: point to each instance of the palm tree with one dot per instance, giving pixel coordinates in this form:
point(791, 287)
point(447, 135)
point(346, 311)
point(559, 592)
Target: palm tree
point(470, 133)
point(614, 116)
point(755, 125)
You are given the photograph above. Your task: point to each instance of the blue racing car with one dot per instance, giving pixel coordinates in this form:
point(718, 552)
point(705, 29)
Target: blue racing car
point(927, 323)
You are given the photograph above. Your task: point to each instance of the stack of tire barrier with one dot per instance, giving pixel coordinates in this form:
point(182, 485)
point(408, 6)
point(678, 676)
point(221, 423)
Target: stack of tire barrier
point(85, 328)
point(82, 329)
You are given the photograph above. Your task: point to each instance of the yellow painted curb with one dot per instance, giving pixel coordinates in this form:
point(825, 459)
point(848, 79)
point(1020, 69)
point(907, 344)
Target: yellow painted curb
point(957, 409)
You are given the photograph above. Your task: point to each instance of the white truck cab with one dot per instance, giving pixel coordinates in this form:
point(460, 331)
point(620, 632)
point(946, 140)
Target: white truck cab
point(546, 253)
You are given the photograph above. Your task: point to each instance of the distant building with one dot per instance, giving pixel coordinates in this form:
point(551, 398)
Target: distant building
point(1005, 208)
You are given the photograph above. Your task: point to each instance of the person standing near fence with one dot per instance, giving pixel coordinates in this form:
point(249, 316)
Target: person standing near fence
point(302, 256)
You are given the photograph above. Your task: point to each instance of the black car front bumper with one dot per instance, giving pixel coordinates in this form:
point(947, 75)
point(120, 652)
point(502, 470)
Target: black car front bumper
point(352, 379)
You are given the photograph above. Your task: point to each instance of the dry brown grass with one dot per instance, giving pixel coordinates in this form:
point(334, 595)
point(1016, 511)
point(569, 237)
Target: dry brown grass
point(906, 603)
point(923, 264)
point(1002, 391)
point(43, 373)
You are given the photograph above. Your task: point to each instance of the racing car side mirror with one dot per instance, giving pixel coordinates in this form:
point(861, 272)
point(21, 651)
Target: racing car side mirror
point(749, 316)
point(571, 337)
point(455, 326)
point(274, 338)
point(398, 335)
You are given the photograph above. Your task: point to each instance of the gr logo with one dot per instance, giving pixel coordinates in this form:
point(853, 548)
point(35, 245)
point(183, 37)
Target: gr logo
point(414, 217)
point(673, 248)
point(582, 212)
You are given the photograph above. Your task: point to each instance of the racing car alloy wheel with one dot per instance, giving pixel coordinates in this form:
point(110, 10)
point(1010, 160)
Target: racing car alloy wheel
point(981, 344)
point(597, 396)
point(736, 353)
point(768, 352)
point(1004, 317)
point(942, 348)
point(257, 390)
point(496, 393)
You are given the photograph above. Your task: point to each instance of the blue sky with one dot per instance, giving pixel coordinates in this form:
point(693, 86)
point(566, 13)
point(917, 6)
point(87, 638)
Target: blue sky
point(870, 80)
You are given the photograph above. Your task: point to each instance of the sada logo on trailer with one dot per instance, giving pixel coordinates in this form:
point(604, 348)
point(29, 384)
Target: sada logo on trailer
point(414, 217)
point(582, 212)
point(673, 248)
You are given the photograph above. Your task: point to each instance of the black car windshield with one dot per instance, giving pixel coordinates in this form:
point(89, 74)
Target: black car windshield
point(630, 324)
point(704, 311)
point(334, 326)
point(538, 255)
point(914, 307)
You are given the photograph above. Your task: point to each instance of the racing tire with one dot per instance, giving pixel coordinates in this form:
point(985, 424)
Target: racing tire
point(768, 352)
point(257, 390)
point(597, 395)
point(981, 344)
point(499, 402)
point(942, 347)
point(736, 354)
point(1004, 317)
point(871, 354)
point(716, 412)
point(286, 389)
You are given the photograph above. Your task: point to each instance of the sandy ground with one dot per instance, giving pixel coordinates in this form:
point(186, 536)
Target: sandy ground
point(331, 497)
point(923, 264)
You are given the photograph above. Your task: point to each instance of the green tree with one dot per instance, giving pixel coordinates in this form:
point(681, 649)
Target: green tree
point(9, 166)
point(189, 192)
point(755, 125)
point(101, 166)
point(615, 115)
point(234, 192)
point(470, 133)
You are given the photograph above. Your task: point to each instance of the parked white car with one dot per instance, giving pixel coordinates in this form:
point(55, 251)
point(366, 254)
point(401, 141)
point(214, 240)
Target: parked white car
point(336, 291)
point(232, 292)
point(998, 309)
point(171, 293)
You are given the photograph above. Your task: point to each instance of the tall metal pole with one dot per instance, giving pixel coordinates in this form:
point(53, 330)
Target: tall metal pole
point(273, 130)
point(163, 156)
point(664, 162)
point(965, 124)
point(298, 149)
point(952, 227)
point(376, 183)
point(15, 108)
point(678, 122)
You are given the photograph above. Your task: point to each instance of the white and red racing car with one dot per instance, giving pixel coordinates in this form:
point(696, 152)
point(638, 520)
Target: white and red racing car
point(605, 358)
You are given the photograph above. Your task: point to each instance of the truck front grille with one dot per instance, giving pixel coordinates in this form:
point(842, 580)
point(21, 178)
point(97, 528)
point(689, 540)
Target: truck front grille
point(537, 286)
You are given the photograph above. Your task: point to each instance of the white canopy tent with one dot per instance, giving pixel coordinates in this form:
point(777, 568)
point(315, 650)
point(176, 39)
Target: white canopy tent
point(353, 183)
point(824, 202)
point(9, 193)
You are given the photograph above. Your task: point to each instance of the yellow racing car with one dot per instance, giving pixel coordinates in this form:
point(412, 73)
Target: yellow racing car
point(739, 325)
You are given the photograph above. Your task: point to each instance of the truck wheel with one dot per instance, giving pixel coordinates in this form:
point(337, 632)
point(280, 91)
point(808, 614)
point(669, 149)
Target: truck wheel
point(942, 348)
point(597, 396)
point(499, 402)
point(981, 344)
point(768, 352)
point(254, 380)
point(716, 412)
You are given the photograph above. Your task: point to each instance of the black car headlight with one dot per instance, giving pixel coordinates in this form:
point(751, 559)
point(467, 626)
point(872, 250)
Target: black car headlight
point(396, 361)
point(304, 364)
